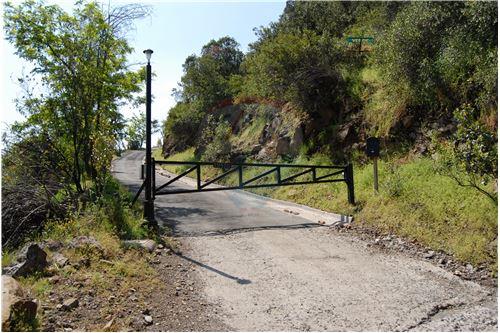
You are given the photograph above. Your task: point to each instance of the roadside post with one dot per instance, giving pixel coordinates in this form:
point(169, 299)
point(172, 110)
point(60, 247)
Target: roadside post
point(373, 151)
point(149, 202)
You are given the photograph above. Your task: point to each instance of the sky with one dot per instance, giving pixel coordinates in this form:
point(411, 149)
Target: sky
point(174, 31)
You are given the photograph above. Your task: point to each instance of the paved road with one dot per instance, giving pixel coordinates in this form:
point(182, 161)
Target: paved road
point(275, 271)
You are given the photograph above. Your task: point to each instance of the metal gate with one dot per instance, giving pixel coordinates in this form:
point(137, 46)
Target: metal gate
point(317, 174)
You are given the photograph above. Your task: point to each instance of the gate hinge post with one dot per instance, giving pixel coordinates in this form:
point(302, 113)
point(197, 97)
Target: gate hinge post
point(349, 179)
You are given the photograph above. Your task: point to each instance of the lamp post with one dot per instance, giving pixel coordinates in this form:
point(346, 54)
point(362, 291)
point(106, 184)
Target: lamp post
point(148, 204)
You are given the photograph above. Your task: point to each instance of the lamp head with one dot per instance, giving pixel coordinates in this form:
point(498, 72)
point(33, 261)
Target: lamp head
point(148, 54)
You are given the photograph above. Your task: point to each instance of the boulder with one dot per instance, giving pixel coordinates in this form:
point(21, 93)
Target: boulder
point(283, 146)
point(31, 259)
point(255, 149)
point(145, 244)
point(275, 124)
point(266, 154)
point(265, 135)
point(15, 303)
point(297, 140)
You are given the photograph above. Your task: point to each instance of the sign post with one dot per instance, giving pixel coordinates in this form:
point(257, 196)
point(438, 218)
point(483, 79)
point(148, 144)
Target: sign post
point(373, 151)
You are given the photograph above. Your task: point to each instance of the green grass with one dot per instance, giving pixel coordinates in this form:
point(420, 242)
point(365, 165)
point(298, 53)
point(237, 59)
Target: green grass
point(8, 257)
point(250, 134)
point(413, 201)
point(187, 155)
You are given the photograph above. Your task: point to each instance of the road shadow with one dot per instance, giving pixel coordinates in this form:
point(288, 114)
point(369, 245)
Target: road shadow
point(236, 230)
point(215, 270)
point(172, 216)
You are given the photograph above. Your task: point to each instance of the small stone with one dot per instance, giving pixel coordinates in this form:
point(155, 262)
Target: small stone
point(377, 240)
point(442, 261)
point(160, 246)
point(470, 268)
point(109, 324)
point(295, 213)
point(53, 245)
point(69, 304)
point(112, 297)
point(104, 261)
point(148, 320)
point(54, 279)
point(146, 312)
point(429, 255)
point(132, 290)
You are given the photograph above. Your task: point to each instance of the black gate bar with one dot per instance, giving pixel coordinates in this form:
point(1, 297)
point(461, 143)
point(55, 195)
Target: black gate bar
point(228, 168)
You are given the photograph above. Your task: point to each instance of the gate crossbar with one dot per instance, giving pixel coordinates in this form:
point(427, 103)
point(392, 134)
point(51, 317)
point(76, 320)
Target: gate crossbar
point(345, 171)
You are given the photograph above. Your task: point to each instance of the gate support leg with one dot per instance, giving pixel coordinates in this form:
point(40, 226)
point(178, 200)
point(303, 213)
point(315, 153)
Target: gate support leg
point(349, 179)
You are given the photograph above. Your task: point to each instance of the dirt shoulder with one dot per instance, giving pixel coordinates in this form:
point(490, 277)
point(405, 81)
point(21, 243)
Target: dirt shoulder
point(165, 296)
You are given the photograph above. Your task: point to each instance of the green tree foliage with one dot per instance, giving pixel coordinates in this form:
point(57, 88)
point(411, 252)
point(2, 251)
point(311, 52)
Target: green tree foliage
point(434, 57)
point(471, 157)
point(206, 78)
point(181, 126)
point(136, 130)
point(427, 59)
point(58, 159)
point(300, 68)
point(80, 60)
point(214, 142)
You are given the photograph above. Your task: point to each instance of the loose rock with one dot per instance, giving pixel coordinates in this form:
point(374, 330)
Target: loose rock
point(429, 255)
point(87, 242)
point(109, 324)
point(148, 320)
point(53, 245)
point(59, 259)
point(146, 244)
point(31, 259)
point(69, 304)
point(14, 300)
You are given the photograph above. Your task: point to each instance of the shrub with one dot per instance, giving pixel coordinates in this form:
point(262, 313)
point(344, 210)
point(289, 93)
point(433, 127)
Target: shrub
point(471, 156)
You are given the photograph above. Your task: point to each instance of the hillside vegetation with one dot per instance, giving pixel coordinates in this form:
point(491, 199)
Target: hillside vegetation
point(426, 85)
point(57, 188)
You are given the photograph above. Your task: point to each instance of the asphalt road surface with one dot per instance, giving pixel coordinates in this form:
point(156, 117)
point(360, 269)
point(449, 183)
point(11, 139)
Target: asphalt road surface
point(270, 270)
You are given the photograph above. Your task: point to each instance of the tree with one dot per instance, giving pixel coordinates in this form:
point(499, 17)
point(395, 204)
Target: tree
point(136, 130)
point(80, 60)
point(301, 68)
point(206, 78)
